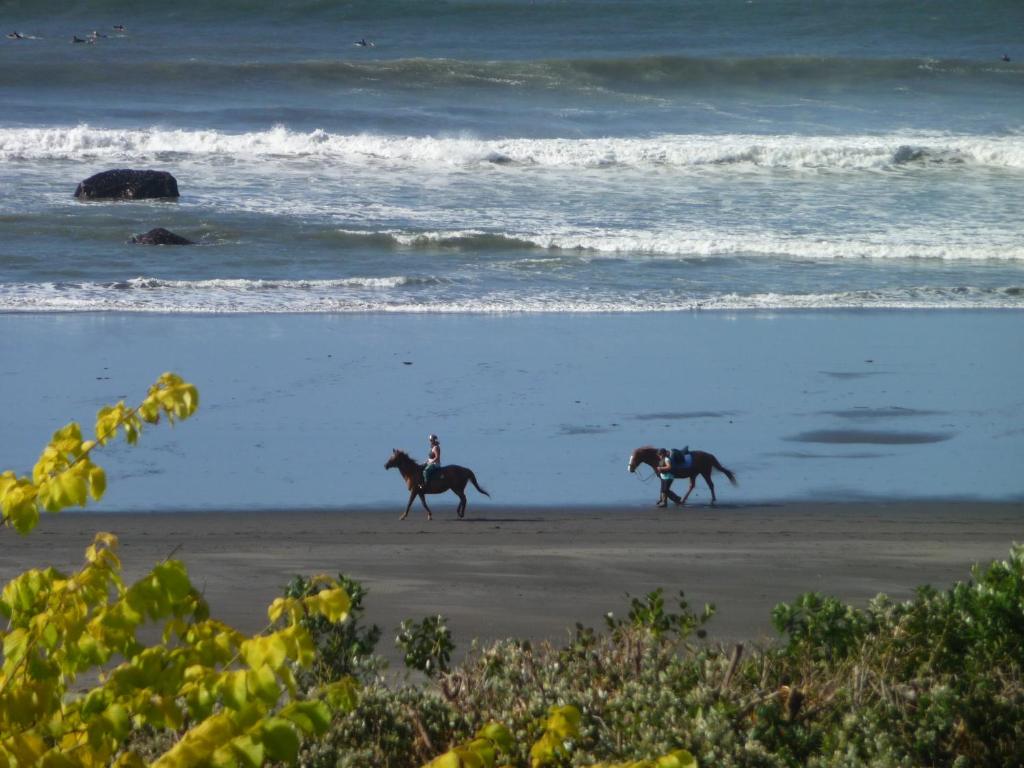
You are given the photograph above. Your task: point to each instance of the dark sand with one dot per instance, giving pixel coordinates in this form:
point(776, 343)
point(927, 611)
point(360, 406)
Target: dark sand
point(532, 573)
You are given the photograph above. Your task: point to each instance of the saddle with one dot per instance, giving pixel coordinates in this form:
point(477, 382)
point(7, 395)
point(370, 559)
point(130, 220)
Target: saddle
point(680, 459)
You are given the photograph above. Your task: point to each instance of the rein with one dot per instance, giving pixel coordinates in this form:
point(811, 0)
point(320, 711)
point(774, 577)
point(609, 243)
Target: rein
point(644, 479)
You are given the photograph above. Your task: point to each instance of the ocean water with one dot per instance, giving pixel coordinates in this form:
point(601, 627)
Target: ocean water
point(503, 156)
point(788, 233)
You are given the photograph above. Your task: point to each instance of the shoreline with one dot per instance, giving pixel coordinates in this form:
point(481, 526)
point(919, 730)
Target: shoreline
point(532, 572)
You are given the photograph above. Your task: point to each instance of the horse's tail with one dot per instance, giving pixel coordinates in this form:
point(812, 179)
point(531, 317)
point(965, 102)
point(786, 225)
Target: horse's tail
point(723, 470)
point(472, 479)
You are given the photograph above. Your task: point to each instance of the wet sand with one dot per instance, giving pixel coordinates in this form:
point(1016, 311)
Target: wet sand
point(302, 411)
point(533, 572)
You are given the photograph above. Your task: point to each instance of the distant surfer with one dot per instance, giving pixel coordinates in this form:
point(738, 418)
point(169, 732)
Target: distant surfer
point(1006, 57)
point(363, 43)
point(77, 39)
point(120, 28)
point(15, 36)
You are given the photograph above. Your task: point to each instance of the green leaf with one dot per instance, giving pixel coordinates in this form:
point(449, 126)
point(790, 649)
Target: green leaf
point(280, 739)
point(120, 722)
point(173, 578)
point(313, 717)
point(248, 751)
point(499, 734)
point(342, 695)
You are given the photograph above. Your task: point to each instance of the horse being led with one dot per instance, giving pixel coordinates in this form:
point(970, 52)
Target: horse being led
point(450, 478)
point(702, 464)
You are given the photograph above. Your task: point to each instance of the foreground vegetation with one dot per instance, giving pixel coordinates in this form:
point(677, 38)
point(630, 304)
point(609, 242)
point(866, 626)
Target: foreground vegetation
point(933, 681)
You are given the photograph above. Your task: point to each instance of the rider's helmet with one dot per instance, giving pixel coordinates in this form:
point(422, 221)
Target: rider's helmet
point(432, 438)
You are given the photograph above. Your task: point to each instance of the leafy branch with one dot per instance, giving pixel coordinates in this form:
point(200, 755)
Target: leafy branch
point(65, 474)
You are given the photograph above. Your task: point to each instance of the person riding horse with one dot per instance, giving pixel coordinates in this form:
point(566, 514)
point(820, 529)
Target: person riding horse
point(433, 460)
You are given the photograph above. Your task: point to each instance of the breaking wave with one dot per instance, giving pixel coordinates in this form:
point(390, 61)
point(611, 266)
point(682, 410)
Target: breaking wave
point(950, 246)
point(432, 295)
point(853, 152)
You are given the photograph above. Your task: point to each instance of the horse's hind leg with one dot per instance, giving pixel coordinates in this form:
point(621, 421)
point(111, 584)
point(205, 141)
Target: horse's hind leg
point(711, 485)
point(461, 510)
point(423, 501)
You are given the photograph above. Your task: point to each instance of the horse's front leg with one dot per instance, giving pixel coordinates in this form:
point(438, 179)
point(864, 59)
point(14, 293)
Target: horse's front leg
point(693, 483)
point(423, 501)
point(412, 498)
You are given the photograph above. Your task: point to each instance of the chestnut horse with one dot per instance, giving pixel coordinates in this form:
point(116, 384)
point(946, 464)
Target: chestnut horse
point(451, 477)
point(702, 463)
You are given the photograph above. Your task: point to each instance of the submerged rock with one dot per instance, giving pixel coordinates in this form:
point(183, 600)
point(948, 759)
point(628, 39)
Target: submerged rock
point(160, 236)
point(126, 184)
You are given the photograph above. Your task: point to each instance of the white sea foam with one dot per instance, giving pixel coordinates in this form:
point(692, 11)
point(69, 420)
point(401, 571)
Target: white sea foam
point(390, 295)
point(854, 152)
point(910, 244)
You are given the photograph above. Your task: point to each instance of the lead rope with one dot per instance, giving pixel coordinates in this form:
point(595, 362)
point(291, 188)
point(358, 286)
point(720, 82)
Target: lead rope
point(645, 479)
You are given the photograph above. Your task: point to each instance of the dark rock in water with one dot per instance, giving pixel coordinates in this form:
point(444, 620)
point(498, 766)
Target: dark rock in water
point(160, 236)
point(906, 154)
point(125, 184)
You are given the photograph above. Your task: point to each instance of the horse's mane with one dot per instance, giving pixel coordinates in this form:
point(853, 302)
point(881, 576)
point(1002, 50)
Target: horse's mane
point(400, 453)
point(645, 448)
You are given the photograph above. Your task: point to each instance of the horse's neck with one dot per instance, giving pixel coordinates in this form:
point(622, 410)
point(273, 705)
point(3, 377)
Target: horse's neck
point(650, 458)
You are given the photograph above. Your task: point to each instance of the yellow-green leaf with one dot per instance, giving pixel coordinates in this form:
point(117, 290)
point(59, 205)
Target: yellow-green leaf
point(97, 482)
point(333, 604)
point(262, 682)
point(680, 758)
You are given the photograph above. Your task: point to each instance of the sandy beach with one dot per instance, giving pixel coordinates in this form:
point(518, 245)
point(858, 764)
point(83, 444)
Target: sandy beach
point(869, 459)
point(533, 572)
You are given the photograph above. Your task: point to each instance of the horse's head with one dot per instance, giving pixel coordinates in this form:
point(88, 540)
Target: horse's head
point(395, 458)
point(643, 455)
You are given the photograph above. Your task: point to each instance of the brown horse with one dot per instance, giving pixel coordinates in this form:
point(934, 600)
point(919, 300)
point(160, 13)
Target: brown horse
point(702, 464)
point(450, 478)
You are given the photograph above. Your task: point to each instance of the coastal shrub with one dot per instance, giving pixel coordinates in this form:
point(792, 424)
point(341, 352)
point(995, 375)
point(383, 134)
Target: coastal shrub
point(341, 648)
point(934, 680)
point(649, 613)
point(202, 694)
point(426, 645)
point(818, 626)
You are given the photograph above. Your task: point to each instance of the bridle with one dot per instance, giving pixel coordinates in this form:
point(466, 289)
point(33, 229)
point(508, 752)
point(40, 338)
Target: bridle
point(636, 471)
